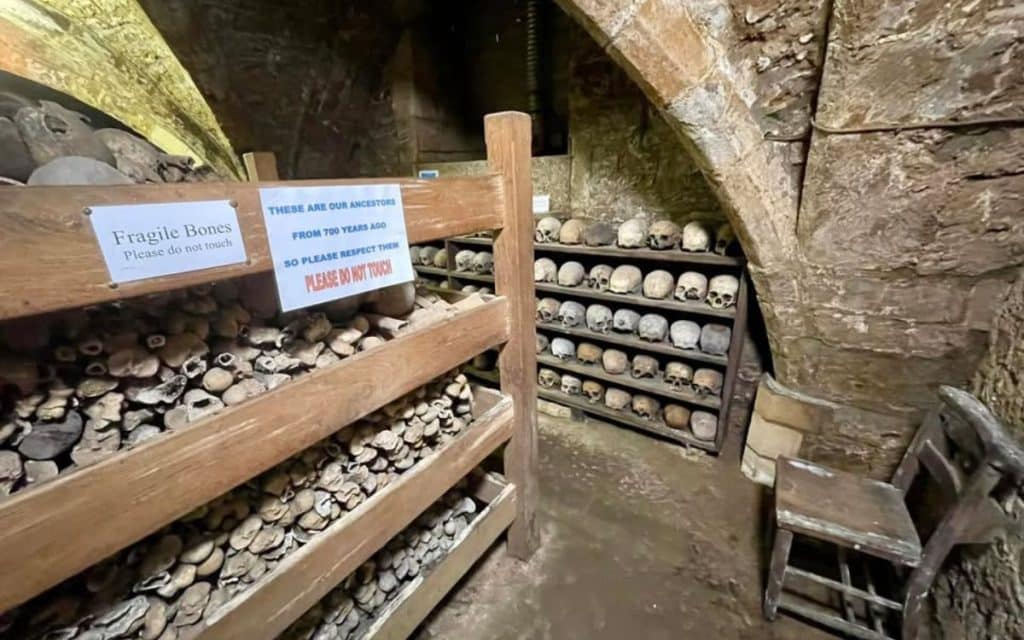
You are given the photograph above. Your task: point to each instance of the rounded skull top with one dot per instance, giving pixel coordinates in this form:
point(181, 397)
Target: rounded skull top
point(663, 234)
point(571, 231)
point(547, 230)
point(570, 274)
point(626, 279)
point(658, 285)
point(724, 239)
point(633, 233)
point(464, 260)
point(696, 237)
point(544, 270)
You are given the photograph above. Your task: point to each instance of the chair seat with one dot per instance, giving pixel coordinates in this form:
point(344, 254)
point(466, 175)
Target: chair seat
point(843, 508)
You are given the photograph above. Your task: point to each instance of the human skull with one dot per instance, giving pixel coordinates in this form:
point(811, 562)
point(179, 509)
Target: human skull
point(483, 262)
point(696, 237)
point(658, 284)
point(598, 234)
point(715, 339)
point(542, 343)
point(645, 367)
point(676, 416)
point(692, 286)
point(547, 309)
point(593, 391)
point(548, 378)
point(614, 361)
point(707, 382)
point(570, 274)
point(464, 260)
point(571, 231)
point(722, 291)
point(678, 375)
point(684, 334)
point(599, 318)
point(652, 327)
point(588, 353)
point(599, 277)
point(633, 233)
point(617, 399)
point(724, 239)
point(547, 230)
point(626, 279)
point(544, 270)
point(663, 234)
point(571, 385)
point(427, 255)
point(626, 321)
point(646, 407)
point(441, 259)
point(571, 314)
point(704, 425)
point(563, 349)
point(414, 254)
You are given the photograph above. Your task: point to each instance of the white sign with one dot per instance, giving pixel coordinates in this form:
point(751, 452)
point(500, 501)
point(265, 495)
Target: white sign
point(333, 242)
point(429, 174)
point(150, 240)
point(542, 204)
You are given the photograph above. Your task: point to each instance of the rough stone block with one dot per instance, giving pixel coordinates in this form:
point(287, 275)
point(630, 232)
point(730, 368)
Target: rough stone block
point(779, 405)
point(553, 409)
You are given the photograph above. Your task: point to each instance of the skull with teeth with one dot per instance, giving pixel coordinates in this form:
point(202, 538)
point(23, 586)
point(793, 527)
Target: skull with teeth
point(614, 361)
point(724, 239)
point(658, 284)
point(464, 260)
point(588, 353)
point(542, 343)
point(544, 270)
point(632, 233)
point(696, 237)
point(483, 262)
point(692, 286)
point(548, 378)
point(571, 314)
point(617, 399)
point(570, 274)
point(593, 391)
point(715, 339)
point(652, 327)
point(599, 318)
point(547, 230)
point(646, 407)
point(663, 234)
point(563, 349)
point(722, 291)
point(707, 382)
point(600, 277)
point(684, 334)
point(571, 385)
point(626, 279)
point(626, 321)
point(645, 367)
point(571, 231)
point(547, 309)
point(678, 375)
point(676, 416)
point(704, 425)
point(427, 255)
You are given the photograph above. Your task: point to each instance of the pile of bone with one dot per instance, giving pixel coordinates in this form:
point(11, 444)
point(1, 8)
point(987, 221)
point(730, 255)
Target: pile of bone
point(466, 261)
point(704, 382)
point(45, 144)
point(354, 606)
point(720, 292)
point(702, 424)
point(93, 382)
point(164, 586)
point(635, 233)
point(711, 338)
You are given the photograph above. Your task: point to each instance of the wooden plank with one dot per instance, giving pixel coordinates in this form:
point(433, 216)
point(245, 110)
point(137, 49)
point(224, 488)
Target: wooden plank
point(400, 618)
point(619, 299)
point(657, 428)
point(635, 343)
point(485, 486)
point(134, 493)
point(656, 387)
point(777, 570)
point(507, 136)
point(680, 257)
point(260, 166)
point(50, 260)
point(739, 330)
point(844, 587)
point(822, 615)
point(303, 578)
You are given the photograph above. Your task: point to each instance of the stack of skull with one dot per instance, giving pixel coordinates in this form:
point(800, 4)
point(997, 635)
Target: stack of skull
point(466, 261)
point(350, 609)
point(635, 233)
point(165, 586)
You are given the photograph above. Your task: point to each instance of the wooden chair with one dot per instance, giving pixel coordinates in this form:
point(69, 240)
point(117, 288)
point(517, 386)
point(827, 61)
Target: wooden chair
point(971, 462)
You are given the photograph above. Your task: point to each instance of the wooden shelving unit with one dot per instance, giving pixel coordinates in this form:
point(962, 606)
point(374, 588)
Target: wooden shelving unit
point(51, 262)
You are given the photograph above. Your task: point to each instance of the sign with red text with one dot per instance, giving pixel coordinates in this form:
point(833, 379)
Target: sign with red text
point(141, 241)
point(333, 242)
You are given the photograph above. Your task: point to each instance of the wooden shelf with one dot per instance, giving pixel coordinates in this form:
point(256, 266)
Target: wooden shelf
point(480, 374)
point(656, 387)
point(401, 616)
point(434, 271)
point(634, 343)
point(669, 255)
point(135, 492)
point(699, 308)
point(627, 418)
point(303, 578)
point(476, 277)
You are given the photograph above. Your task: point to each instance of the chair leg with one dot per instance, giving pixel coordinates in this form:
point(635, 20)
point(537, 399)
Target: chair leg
point(777, 572)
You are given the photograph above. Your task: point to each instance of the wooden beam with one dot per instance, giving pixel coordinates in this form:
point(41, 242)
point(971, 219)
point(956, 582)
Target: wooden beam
point(508, 154)
point(133, 493)
point(50, 259)
point(309, 574)
point(260, 166)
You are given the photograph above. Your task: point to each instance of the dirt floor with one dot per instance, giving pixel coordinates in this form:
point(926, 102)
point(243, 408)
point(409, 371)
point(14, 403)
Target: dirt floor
point(641, 540)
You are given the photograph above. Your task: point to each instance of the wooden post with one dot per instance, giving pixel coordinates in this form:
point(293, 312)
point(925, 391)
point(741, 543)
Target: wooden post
point(507, 136)
point(260, 166)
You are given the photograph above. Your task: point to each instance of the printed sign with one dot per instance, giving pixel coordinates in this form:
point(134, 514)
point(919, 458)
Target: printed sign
point(333, 242)
point(429, 174)
point(542, 204)
point(141, 241)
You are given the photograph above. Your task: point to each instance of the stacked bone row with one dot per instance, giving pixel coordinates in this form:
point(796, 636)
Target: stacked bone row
point(718, 292)
point(678, 376)
point(90, 383)
point(166, 585)
point(636, 233)
point(359, 602)
point(711, 338)
point(466, 260)
point(702, 424)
